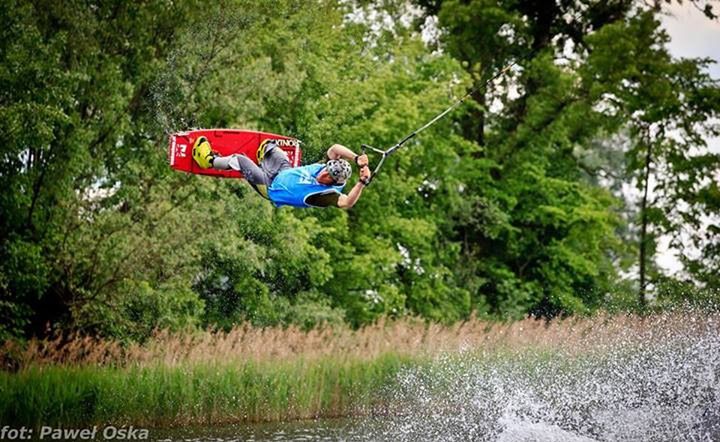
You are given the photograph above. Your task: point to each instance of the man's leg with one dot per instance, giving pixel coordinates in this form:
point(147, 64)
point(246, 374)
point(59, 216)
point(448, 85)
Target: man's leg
point(256, 176)
point(275, 160)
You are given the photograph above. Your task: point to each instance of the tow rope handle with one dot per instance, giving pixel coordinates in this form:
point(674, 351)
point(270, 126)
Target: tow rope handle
point(383, 154)
point(364, 148)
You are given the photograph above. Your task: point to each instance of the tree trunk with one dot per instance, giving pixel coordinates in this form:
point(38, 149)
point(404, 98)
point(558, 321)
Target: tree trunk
point(474, 124)
point(643, 228)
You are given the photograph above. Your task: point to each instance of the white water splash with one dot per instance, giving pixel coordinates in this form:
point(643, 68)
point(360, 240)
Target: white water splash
point(641, 389)
point(627, 379)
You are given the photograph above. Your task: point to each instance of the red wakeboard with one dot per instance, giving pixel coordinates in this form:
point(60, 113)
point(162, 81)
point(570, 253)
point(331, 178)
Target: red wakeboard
point(226, 142)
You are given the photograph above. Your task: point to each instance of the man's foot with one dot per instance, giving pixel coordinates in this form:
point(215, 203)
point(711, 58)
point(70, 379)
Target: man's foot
point(265, 147)
point(202, 153)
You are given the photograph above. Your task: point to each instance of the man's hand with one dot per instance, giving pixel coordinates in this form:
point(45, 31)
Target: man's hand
point(361, 160)
point(365, 174)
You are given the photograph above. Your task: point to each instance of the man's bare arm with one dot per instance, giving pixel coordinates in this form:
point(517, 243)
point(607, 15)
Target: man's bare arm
point(349, 200)
point(338, 151)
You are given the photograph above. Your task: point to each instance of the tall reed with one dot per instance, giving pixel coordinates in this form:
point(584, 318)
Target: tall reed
point(200, 393)
point(406, 337)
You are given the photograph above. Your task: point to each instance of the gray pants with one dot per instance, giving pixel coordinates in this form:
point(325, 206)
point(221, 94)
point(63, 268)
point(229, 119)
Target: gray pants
point(259, 177)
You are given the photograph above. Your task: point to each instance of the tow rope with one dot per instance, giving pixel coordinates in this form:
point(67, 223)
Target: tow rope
point(386, 153)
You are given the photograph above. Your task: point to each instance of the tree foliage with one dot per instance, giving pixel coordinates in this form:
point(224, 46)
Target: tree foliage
point(494, 211)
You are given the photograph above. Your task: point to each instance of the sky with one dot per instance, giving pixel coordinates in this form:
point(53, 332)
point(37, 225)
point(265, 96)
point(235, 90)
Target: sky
point(692, 35)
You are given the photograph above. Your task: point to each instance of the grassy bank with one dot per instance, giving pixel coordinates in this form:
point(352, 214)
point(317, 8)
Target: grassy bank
point(280, 374)
point(201, 393)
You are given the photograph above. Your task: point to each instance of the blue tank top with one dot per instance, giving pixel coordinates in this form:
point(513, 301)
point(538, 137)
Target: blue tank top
point(293, 187)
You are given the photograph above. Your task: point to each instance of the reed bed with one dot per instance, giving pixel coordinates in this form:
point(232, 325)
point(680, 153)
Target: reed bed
point(250, 374)
point(199, 394)
point(405, 338)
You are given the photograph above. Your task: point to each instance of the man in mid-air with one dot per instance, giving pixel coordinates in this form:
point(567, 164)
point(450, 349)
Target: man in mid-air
point(315, 185)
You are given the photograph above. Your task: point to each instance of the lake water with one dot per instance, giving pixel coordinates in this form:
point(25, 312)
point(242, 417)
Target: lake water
point(309, 430)
point(365, 429)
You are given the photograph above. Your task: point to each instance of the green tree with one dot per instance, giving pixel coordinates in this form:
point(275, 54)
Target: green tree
point(492, 210)
point(538, 238)
point(572, 59)
point(84, 190)
point(668, 108)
